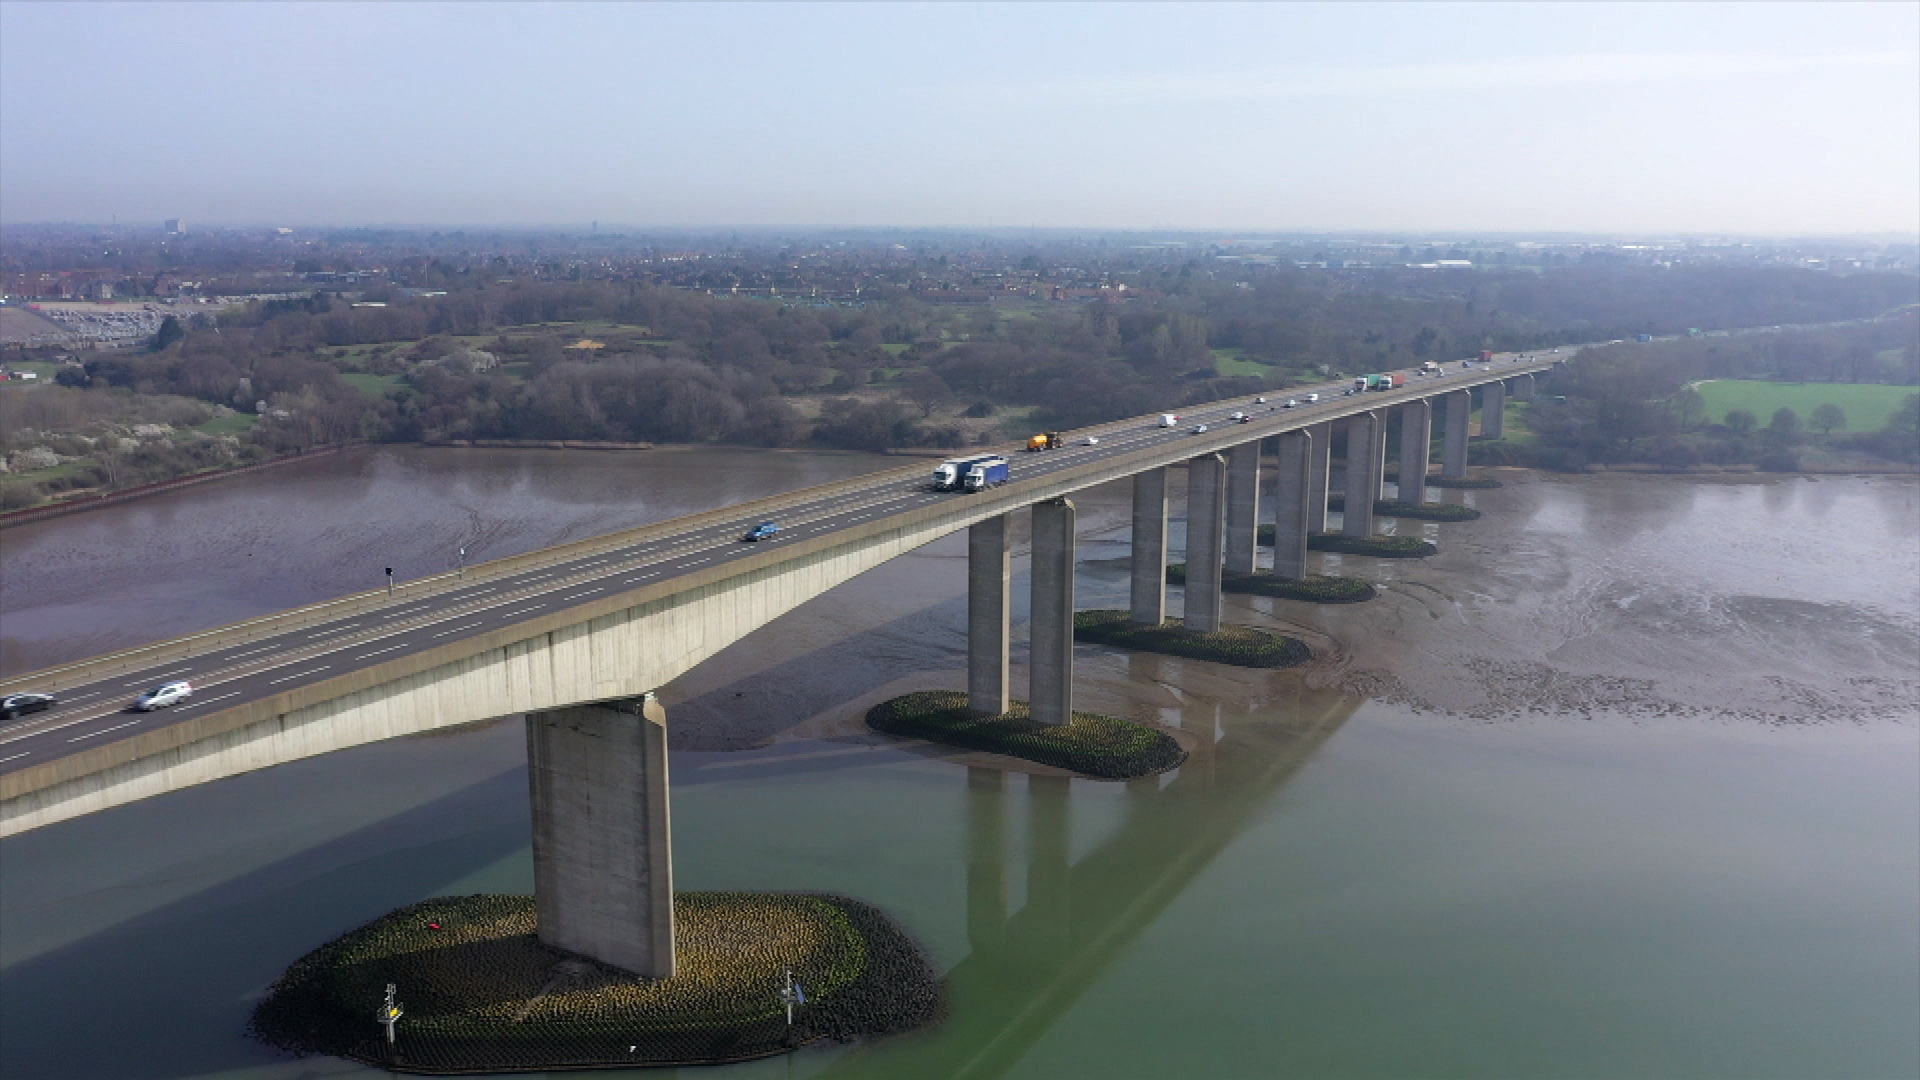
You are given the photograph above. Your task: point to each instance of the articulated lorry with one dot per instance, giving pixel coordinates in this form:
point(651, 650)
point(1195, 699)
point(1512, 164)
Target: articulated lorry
point(1379, 382)
point(951, 474)
point(985, 473)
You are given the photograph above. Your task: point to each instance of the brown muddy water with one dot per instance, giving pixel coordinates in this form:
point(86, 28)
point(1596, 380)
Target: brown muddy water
point(1623, 783)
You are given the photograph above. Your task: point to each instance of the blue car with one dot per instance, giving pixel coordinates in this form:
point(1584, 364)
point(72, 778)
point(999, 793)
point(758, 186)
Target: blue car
point(762, 531)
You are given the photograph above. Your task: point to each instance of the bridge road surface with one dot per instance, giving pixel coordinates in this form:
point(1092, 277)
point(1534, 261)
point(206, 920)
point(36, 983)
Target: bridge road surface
point(95, 710)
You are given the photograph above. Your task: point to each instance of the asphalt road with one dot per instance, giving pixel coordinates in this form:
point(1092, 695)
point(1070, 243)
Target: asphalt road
point(94, 712)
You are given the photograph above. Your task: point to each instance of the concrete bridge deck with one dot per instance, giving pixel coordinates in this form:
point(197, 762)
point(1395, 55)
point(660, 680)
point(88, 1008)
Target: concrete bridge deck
point(602, 619)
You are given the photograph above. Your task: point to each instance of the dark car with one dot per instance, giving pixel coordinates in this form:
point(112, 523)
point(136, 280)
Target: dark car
point(21, 704)
point(763, 531)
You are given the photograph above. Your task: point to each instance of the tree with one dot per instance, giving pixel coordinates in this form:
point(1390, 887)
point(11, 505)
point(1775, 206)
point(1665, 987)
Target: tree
point(927, 390)
point(1740, 421)
point(1785, 422)
point(170, 333)
point(1828, 417)
point(1691, 407)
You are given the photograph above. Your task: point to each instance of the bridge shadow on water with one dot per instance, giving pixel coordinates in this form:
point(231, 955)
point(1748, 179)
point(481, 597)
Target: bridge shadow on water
point(168, 993)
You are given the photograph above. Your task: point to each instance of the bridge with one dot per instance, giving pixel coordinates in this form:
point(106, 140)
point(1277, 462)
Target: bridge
point(577, 637)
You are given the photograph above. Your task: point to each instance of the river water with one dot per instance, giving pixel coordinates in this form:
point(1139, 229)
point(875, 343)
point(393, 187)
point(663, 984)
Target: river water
point(1623, 783)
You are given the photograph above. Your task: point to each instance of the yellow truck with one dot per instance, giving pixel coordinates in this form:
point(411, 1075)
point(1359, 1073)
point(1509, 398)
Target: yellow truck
point(1048, 441)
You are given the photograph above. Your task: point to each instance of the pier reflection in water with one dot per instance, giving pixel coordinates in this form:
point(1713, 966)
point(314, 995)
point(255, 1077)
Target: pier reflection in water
point(1028, 967)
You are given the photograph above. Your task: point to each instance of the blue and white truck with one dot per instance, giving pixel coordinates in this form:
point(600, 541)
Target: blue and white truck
point(986, 473)
point(951, 474)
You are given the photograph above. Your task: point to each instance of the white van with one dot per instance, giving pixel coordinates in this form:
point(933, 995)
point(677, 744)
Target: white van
point(1169, 420)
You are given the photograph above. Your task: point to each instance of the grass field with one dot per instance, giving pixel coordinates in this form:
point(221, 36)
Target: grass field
point(374, 386)
point(1230, 362)
point(1867, 405)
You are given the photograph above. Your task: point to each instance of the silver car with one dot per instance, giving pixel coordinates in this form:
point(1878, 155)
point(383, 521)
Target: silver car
point(167, 693)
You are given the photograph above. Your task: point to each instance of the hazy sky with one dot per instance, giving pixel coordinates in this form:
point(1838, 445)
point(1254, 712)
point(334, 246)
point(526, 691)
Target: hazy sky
point(1769, 118)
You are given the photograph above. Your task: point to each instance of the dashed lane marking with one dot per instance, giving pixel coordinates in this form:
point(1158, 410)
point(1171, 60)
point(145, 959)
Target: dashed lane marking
point(298, 674)
point(103, 731)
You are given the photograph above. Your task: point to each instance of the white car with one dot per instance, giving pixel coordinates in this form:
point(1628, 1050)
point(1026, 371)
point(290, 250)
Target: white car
point(1091, 440)
point(167, 693)
point(1199, 429)
point(1260, 401)
point(1238, 417)
point(1311, 398)
point(1291, 403)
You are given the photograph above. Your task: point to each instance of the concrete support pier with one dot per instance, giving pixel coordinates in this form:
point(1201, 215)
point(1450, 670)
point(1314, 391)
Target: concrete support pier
point(1493, 410)
point(1051, 696)
point(1206, 513)
point(1377, 486)
point(1290, 507)
point(1357, 518)
point(1523, 388)
point(1243, 506)
point(1416, 434)
point(1319, 464)
point(1148, 558)
point(602, 856)
point(989, 586)
point(1453, 449)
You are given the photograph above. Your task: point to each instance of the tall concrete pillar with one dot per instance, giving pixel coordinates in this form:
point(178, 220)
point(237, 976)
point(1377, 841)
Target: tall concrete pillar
point(1290, 505)
point(1243, 506)
point(1523, 388)
point(1149, 554)
point(602, 855)
point(1362, 443)
point(1206, 512)
point(1052, 669)
point(1416, 434)
point(1319, 464)
point(1377, 488)
point(1493, 410)
point(1453, 450)
point(989, 589)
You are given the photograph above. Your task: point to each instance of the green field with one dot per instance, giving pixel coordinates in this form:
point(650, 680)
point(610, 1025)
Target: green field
point(1230, 362)
point(374, 386)
point(1867, 405)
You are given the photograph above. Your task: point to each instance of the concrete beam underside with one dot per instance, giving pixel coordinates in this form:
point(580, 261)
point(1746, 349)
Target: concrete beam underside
point(1051, 693)
point(989, 609)
point(1291, 510)
point(1206, 514)
point(1243, 507)
point(1453, 451)
point(602, 847)
point(1416, 438)
point(1148, 556)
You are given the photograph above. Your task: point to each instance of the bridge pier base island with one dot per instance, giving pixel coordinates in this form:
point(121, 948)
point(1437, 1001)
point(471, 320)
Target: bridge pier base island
point(1148, 556)
point(1206, 521)
point(602, 843)
point(1453, 451)
point(1416, 438)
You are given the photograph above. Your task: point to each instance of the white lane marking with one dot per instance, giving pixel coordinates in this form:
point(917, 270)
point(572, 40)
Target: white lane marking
point(205, 701)
point(457, 629)
point(377, 652)
point(515, 611)
point(330, 633)
point(15, 757)
point(577, 595)
point(298, 674)
point(255, 652)
point(79, 699)
point(104, 730)
point(642, 577)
